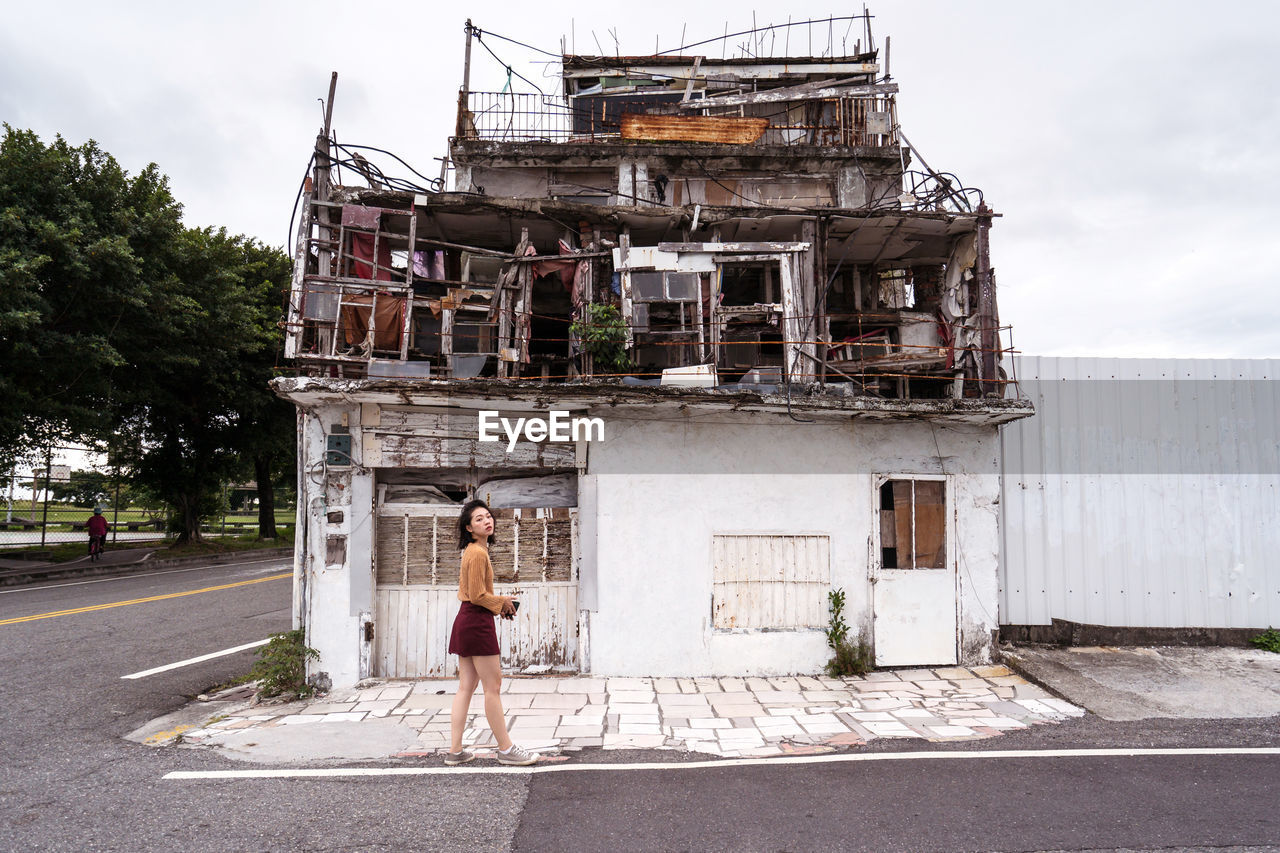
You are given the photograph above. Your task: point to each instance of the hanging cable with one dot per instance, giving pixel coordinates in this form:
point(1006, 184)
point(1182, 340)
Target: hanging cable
point(477, 32)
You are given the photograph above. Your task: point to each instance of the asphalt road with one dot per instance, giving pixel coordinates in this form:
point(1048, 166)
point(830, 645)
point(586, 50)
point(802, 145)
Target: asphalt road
point(68, 780)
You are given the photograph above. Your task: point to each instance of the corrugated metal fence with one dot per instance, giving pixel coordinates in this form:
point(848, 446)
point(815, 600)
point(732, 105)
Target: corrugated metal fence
point(1144, 493)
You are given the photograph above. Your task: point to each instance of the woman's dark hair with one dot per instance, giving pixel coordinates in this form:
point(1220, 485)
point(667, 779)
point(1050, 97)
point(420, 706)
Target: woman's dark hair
point(464, 535)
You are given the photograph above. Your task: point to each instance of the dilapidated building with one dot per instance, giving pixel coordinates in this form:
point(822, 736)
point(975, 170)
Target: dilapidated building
point(707, 334)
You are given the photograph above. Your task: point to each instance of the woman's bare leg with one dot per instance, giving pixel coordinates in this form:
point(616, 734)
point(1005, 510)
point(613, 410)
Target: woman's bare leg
point(467, 681)
point(489, 669)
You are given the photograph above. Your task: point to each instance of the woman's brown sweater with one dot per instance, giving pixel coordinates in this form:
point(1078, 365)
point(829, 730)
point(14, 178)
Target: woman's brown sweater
point(475, 581)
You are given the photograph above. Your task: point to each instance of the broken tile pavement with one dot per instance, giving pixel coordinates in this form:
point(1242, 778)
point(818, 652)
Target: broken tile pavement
point(729, 717)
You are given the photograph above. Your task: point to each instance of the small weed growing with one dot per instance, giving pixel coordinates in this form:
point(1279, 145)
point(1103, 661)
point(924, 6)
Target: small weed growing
point(850, 658)
point(1268, 640)
point(281, 668)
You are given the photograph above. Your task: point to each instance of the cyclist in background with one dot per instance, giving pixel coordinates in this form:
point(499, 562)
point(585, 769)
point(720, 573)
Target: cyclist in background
point(97, 534)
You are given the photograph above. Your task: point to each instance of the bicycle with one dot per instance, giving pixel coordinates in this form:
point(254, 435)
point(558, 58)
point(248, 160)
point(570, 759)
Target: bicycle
point(97, 544)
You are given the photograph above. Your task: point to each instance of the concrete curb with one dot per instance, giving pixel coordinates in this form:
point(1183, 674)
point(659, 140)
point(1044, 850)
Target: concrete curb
point(19, 577)
point(1015, 662)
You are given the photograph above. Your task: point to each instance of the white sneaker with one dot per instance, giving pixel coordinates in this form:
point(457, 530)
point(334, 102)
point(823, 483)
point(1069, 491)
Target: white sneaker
point(455, 758)
point(517, 756)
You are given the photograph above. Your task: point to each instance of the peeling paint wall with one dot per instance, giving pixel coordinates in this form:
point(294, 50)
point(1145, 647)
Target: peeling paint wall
point(655, 532)
point(338, 580)
point(661, 487)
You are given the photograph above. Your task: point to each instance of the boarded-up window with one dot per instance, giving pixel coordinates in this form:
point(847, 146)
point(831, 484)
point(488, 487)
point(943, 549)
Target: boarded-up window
point(770, 581)
point(533, 545)
point(913, 524)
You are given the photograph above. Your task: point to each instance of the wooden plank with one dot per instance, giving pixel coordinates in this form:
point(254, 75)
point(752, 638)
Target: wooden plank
point(439, 661)
point(380, 620)
point(710, 248)
point(817, 90)
point(931, 524)
point(728, 130)
point(425, 451)
point(888, 530)
point(902, 523)
point(475, 250)
point(688, 86)
point(414, 624)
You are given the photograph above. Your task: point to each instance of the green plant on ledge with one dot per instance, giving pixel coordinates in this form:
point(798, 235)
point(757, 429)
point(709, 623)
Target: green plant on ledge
point(281, 667)
point(850, 658)
point(1268, 640)
point(603, 336)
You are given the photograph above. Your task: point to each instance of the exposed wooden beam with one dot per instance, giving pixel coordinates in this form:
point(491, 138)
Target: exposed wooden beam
point(808, 91)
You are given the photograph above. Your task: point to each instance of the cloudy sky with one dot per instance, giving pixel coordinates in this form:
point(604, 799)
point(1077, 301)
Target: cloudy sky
point(1131, 147)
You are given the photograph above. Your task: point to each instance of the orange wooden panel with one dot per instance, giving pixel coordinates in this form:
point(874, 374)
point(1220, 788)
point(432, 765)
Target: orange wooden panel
point(931, 524)
point(729, 130)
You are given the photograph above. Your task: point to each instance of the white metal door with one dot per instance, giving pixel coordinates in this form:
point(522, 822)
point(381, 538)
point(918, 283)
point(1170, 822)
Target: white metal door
point(913, 576)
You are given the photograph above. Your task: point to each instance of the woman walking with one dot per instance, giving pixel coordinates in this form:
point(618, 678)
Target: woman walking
point(475, 640)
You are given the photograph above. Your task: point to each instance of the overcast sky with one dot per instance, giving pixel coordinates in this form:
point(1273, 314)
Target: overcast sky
point(1131, 147)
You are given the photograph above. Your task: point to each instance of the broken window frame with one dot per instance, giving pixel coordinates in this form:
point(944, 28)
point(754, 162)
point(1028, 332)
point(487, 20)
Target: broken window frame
point(886, 517)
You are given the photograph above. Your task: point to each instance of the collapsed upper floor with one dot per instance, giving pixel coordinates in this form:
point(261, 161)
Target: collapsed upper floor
point(726, 224)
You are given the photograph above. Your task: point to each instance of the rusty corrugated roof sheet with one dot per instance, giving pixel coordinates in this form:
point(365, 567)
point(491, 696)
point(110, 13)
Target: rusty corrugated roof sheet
point(730, 130)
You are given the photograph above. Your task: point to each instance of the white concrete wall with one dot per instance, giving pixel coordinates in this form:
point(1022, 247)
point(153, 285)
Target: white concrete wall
point(664, 485)
point(665, 488)
point(337, 598)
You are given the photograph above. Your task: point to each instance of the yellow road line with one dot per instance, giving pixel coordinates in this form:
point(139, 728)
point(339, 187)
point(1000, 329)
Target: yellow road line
point(141, 600)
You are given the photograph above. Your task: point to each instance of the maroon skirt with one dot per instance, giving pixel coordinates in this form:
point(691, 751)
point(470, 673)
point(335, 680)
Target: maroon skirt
point(474, 634)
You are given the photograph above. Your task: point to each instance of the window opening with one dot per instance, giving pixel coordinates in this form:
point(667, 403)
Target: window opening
point(913, 523)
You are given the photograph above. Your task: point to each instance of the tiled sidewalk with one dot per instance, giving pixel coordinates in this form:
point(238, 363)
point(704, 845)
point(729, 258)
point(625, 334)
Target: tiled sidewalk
point(720, 716)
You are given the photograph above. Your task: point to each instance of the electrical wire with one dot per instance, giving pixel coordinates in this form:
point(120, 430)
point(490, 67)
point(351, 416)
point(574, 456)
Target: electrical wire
point(347, 145)
point(768, 28)
point(301, 184)
point(478, 33)
point(513, 41)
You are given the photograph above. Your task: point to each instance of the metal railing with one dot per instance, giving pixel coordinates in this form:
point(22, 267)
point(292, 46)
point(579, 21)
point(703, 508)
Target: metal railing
point(521, 117)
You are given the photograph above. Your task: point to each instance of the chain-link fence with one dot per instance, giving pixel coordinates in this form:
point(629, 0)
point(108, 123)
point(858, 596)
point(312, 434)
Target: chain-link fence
point(51, 501)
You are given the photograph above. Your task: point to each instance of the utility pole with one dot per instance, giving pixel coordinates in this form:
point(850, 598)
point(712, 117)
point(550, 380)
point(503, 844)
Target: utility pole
point(460, 130)
point(322, 184)
point(986, 286)
point(323, 156)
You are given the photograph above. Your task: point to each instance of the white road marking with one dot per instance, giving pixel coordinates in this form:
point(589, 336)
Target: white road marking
point(190, 661)
point(24, 588)
point(349, 772)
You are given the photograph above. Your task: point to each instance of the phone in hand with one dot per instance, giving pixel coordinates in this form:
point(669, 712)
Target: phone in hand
point(516, 606)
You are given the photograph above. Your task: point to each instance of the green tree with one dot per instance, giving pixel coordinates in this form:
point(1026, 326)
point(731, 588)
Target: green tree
point(82, 247)
point(120, 327)
point(267, 424)
point(201, 409)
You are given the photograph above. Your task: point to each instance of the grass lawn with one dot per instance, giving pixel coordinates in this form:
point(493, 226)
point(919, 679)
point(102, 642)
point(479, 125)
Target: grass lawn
point(65, 514)
point(66, 551)
point(225, 544)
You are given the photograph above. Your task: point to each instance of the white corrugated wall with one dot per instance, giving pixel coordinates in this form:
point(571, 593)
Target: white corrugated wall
point(1143, 493)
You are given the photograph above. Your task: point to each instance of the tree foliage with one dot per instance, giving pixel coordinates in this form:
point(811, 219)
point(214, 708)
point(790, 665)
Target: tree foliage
point(122, 328)
point(83, 246)
point(199, 411)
